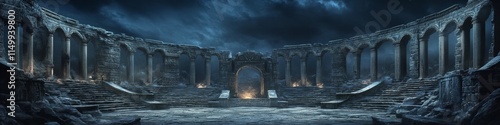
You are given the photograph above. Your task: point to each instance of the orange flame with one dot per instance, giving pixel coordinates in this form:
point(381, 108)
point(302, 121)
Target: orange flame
point(248, 93)
point(201, 85)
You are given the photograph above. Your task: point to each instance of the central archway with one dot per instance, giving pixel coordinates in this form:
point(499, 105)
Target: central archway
point(249, 83)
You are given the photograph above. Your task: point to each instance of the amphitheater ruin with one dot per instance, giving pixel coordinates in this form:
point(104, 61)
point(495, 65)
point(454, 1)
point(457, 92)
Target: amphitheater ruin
point(98, 68)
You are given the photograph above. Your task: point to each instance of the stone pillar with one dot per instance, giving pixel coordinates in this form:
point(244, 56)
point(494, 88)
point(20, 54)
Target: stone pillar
point(303, 76)
point(373, 65)
point(496, 27)
point(208, 72)
point(443, 53)
point(397, 62)
point(318, 70)
point(50, 56)
point(288, 77)
point(150, 68)
point(30, 54)
point(478, 56)
point(357, 66)
point(131, 67)
point(423, 58)
point(66, 59)
point(465, 43)
point(192, 76)
point(84, 61)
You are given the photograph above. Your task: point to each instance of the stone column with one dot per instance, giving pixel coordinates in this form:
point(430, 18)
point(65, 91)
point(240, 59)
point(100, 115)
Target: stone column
point(50, 56)
point(318, 70)
point(208, 72)
point(397, 61)
point(30, 54)
point(150, 68)
point(357, 66)
point(443, 53)
point(66, 59)
point(465, 38)
point(84, 61)
point(478, 56)
point(423, 58)
point(496, 27)
point(288, 77)
point(192, 76)
point(373, 66)
point(303, 76)
point(131, 67)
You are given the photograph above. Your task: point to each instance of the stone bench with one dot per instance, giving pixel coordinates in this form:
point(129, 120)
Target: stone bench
point(331, 104)
point(156, 105)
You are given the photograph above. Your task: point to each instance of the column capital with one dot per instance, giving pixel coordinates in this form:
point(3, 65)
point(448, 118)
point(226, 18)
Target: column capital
point(475, 20)
point(51, 34)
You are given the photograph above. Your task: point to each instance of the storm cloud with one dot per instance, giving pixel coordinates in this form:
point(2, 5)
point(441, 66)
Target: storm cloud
point(239, 25)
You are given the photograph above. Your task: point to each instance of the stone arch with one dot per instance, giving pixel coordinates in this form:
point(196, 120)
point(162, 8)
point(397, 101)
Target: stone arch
point(379, 42)
point(52, 29)
point(58, 57)
point(325, 51)
point(384, 65)
point(405, 55)
point(261, 85)
point(28, 25)
point(76, 56)
point(449, 26)
point(296, 53)
point(428, 31)
point(129, 49)
point(347, 49)
point(484, 11)
point(77, 33)
point(162, 51)
point(217, 54)
point(363, 45)
point(145, 49)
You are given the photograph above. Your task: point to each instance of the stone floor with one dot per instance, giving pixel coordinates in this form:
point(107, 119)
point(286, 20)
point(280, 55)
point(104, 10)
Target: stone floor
point(250, 115)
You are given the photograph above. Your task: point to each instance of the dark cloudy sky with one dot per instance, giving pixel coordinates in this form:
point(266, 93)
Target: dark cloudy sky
point(239, 25)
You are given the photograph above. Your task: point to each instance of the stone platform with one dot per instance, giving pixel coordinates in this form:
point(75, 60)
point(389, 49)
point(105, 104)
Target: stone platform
point(255, 102)
point(251, 115)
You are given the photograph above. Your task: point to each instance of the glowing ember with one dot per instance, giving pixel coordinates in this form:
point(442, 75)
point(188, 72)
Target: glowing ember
point(295, 84)
point(201, 85)
point(299, 83)
point(248, 93)
point(320, 85)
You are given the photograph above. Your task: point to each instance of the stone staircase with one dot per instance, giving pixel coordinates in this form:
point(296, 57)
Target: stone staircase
point(96, 94)
point(305, 96)
point(186, 96)
point(391, 94)
point(255, 102)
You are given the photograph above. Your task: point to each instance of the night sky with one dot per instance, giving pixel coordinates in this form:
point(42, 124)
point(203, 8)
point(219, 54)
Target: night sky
point(239, 25)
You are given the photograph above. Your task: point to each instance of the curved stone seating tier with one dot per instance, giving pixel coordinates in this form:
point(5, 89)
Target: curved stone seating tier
point(342, 97)
point(92, 95)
